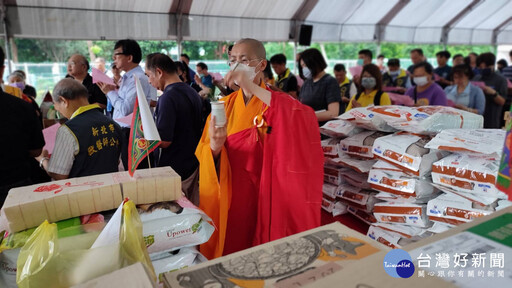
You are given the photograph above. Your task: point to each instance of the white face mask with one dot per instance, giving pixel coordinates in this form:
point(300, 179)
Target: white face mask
point(248, 70)
point(421, 81)
point(306, 72)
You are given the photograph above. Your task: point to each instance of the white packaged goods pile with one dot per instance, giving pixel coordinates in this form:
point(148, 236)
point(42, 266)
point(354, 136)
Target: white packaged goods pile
point(168, 224)
point(411, 168)
point(467, 177)
point(422, 120)
point(346, 188)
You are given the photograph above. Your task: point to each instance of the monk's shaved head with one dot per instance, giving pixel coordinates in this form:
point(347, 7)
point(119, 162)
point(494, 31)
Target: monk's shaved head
point(256, 46)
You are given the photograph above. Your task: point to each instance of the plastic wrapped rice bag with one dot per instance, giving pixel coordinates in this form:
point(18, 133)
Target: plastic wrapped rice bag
point(487, 142)
point(339, 129)
point(173, 225)
point(360, 145)
point(407, 151)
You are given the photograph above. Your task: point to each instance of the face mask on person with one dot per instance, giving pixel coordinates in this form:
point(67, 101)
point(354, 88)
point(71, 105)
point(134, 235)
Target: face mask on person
point(421, 81)
point(307, 73)
point(368, 82)
point(248, 70)
point(360, 62)
point(394, 73)
point(486, 71)
point(200, 75)
point(20, 85)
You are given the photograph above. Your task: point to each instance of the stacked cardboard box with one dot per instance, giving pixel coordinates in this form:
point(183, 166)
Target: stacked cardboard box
point(294, 261)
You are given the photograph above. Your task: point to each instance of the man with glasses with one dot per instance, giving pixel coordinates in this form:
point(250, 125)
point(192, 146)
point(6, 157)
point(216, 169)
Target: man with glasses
point(127, 56)
point(78, 68)
point(260, 177)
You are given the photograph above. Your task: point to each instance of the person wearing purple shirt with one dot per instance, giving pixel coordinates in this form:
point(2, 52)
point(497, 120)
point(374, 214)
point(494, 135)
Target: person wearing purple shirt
point(426, 92)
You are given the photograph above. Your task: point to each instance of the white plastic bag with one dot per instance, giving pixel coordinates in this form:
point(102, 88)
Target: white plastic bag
point(165, 230)
point(488, 142)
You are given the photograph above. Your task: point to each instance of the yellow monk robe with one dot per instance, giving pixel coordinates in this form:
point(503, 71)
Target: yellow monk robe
point(14, 91)
point(216, 190)
point(367, 100)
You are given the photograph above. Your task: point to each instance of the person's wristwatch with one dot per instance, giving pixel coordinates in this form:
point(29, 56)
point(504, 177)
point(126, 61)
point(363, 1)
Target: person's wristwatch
point(41, 161)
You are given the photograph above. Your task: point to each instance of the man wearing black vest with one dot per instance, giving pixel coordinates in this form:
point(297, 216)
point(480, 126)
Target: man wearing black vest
point(347, 87)
point(88, 143)
point(286, 81)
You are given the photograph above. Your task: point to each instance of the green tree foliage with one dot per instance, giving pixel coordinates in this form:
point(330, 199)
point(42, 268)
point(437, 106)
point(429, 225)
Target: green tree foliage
point(42, 50)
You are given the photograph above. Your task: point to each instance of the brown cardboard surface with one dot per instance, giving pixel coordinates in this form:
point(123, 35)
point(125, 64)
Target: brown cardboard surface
point(27, 207)
point(133, 276)
point(281, 263)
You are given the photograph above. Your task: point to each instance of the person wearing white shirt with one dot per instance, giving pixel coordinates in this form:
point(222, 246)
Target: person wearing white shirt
point(127, 56)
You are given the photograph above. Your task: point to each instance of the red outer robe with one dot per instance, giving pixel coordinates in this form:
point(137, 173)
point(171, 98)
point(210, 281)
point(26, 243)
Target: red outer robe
point(290, 193)
point(276, 178)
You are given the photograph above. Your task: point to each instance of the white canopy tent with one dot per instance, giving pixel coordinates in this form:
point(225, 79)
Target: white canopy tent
point(408, 21)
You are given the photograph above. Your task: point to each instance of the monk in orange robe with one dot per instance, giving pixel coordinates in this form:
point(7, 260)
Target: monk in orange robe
point(260, 174)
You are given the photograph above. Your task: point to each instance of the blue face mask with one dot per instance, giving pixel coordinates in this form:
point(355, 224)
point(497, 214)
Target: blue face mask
point(307, 73)
point(394, 73)
point(360, 62)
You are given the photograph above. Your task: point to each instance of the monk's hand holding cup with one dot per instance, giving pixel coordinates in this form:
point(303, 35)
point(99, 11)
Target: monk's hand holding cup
point(218, 135)
point(237, 77)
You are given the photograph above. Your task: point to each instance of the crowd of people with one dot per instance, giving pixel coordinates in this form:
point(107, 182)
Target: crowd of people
point(474, 83)
point(258, 176)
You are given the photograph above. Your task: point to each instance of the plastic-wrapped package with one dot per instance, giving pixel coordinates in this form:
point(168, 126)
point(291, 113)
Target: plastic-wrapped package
point(334, 207)
point(360, 145)
point(339, 129)
point(401, 184)
point(388, 197)
point(339, 209)
point(427, 119)
point(401, 213)
point(440, 227)
point(366, 217)
point(330, 147)
point(361, 166)
point(11, 244)
point(354, 196)
point(455, 210)
point(355, 179)
point(466, 173)
point(174, 225)
point(47, 261)
point(327, 205)
point(329, 191)
point(487, 142)
point(333, 174)
point(176, 260)
point(365, 117)
point(407, 151)
point(481, 200)
point(396, 236)
point(406, 231)
point(388, 238)
point(386, 166)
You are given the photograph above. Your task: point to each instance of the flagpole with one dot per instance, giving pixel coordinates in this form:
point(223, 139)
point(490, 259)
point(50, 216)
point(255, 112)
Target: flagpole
point(147, 154)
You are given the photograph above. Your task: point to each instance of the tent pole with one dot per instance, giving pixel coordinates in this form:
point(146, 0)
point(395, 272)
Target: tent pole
point(179, 48)
point(295, 69)
point(6, 39)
